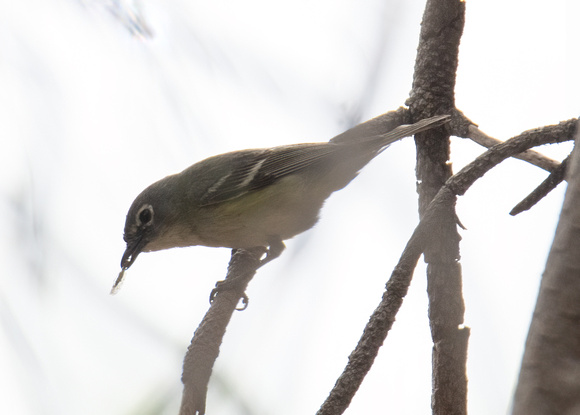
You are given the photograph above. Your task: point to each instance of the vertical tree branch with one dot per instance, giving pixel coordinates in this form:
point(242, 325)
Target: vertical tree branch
point(433, 93)
point(549, 381)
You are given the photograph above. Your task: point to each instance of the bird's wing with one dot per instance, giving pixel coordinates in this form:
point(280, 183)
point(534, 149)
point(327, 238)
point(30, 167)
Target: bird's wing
point(251, 170)
point(243, 171)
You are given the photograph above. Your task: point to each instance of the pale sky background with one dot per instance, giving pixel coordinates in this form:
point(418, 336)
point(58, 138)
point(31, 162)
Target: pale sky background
point(92, 110)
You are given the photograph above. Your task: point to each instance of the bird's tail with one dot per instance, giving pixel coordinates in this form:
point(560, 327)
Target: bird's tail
point(401, 131)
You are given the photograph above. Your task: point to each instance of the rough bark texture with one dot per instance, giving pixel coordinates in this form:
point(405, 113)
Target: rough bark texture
point(549, 381)
point(433, 93)
point(205, 345)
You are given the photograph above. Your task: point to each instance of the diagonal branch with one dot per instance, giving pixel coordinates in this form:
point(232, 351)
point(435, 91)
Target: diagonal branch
point(551, 134)
point(552, 181)
point(531, 156)
point(465, 128)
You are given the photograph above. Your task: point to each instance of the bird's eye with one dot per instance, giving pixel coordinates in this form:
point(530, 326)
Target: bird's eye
point(145, 215)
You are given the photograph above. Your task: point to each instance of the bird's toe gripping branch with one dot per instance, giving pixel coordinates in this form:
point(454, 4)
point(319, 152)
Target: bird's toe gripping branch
point(233, 282)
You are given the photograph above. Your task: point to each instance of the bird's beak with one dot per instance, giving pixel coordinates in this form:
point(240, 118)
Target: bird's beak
point(133, 249)
point(131, 253)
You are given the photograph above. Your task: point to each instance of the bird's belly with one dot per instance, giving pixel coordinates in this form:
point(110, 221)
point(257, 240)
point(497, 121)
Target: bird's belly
point(258, 217)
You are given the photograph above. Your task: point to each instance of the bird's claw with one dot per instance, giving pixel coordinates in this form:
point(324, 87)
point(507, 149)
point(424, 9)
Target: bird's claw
point(274, 251)
point(224, 286)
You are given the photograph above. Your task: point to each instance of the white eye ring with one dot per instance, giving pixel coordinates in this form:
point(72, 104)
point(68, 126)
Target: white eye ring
point(145, 215)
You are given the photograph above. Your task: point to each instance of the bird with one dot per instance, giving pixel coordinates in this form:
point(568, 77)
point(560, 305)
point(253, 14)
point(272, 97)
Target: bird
point(250, 198)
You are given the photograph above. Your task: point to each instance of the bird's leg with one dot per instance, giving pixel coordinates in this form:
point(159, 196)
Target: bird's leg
point(228, 284)
point(238, 281)
point(274, 250)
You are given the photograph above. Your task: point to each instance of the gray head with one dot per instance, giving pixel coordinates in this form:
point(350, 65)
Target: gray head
point(151, 216)
point(146, 218)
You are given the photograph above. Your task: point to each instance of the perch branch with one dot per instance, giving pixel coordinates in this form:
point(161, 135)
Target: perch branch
point(204, 348)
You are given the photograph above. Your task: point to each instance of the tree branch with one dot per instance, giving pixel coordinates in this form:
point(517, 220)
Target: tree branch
point(551, 134)
point(531, 156)
point(204, 348)
point(551, 182)
point(465, 128)
point(432, 92)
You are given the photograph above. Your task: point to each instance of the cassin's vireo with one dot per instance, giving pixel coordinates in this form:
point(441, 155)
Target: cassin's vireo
point(250, 198)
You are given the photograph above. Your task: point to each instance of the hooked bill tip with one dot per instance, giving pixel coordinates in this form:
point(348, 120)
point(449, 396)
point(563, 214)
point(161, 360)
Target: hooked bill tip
point(118, 282)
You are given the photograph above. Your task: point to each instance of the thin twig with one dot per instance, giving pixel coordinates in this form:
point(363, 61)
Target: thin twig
point(531, 156)
point(551, 182)
point(551, 134)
